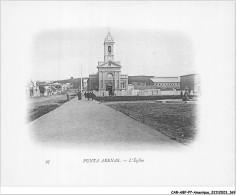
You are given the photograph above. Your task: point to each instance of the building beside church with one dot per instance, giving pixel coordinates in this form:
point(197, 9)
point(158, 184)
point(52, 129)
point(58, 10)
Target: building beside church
point(192, 82)
point(166, 83)
point(108, 79)
point(152, 82)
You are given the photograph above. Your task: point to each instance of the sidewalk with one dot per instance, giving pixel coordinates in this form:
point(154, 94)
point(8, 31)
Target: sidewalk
point(93, 123)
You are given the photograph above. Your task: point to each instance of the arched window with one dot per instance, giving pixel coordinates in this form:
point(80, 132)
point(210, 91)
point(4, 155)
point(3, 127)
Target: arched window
point(109, 76)
point(109, 49)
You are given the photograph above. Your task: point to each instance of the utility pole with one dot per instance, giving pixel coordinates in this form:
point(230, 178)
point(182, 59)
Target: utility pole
point(81, 79)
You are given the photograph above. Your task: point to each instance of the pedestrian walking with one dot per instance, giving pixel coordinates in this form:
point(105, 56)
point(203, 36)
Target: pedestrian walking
point(79, 95)
point(67, 96)
point(88, 95)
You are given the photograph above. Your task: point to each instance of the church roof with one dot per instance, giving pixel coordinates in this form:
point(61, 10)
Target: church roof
point(110, 64)
point(108, 38)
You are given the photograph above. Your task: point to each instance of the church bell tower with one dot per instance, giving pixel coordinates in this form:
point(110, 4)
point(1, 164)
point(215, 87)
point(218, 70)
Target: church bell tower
point(108, 48)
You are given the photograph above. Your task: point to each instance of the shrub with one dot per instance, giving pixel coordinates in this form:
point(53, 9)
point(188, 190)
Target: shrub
point(135, 98)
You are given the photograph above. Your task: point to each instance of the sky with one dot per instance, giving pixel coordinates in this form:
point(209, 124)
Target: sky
point(61, 53)
point(52, 40)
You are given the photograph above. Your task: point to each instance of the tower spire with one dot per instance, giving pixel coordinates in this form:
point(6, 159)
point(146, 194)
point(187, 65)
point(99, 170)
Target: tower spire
point(108, 38)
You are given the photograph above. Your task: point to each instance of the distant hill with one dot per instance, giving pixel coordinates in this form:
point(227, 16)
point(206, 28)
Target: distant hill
point(74, 81)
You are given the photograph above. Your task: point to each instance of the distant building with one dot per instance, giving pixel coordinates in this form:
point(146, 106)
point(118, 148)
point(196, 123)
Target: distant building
point(85, 84)
point(166, 83)
point(32, 89)
point(192, 82)
point(93, 82)
point(65, 86)
point(151, 82)
point(140, 80)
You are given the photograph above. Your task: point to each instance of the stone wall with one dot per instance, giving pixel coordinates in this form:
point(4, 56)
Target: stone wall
point(170, 92)
point(146, 92)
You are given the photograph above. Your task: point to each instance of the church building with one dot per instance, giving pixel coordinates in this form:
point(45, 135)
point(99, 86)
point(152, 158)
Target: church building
point(108, 79)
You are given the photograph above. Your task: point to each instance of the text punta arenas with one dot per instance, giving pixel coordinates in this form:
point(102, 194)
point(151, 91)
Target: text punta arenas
point(104, 160)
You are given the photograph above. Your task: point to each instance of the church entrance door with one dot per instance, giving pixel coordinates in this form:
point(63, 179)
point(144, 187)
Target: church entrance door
point(109, 89)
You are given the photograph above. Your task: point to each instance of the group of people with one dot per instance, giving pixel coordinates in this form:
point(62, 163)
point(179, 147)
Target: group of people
point(87, 94)
point(79, 94)
point(111, 93)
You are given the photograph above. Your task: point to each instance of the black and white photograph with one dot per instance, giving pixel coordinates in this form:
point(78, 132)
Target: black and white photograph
point(133, 97)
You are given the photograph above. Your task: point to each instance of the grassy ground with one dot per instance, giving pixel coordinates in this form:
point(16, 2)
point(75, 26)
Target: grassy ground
point(38, 106)
point(176, 120)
